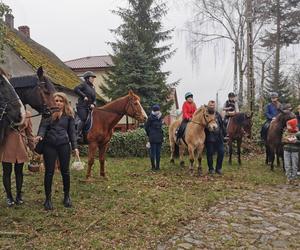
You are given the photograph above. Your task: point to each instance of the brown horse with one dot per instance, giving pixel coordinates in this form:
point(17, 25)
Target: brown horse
point(194, 137)
point(104, 119)
point(274, 136)
point(238, 125)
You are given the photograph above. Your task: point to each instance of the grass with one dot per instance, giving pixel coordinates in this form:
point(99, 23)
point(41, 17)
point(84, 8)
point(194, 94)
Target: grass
point(134, 208)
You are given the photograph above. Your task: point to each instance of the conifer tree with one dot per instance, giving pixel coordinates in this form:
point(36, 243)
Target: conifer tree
point(139, 52)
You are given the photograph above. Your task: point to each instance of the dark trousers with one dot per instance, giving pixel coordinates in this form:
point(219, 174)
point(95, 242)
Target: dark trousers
point(83, 113)
point(51, 153)
point(7, 170)
point(211, 148)
point(155, 155)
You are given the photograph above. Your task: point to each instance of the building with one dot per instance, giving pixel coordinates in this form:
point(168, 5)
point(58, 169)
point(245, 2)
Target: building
point(100, 65)
point(22, 56)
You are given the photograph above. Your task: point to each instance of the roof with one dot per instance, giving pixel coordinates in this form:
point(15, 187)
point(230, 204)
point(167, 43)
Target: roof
point(36, 55)
point(90, 62)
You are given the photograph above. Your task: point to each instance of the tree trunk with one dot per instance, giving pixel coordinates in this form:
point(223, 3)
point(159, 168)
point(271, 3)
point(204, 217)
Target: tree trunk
point(241, 78)
point(277, 51)
point(261, 97)
point(235, 73)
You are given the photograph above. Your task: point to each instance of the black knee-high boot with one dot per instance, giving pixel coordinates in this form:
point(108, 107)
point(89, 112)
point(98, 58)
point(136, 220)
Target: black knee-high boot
point(7, 169)
point(66, 182)
point(19, 182)
point(48, 187)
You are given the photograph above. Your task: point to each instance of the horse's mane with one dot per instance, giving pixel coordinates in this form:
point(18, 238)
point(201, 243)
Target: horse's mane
point(118, 99)
point(24, 81)
point(239, 118)
point(199, 110)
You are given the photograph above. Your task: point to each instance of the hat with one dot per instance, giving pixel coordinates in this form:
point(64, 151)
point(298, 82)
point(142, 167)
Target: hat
point(274, 95)
point(88, 74)
point(187, 95)
point(293, 123)
point(155, 107)
point(231, 94)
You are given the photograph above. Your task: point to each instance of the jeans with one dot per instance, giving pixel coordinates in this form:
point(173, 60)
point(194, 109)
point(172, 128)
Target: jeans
point(211, 148)
point(51, 153)
point(155, 155)
point(291, 164)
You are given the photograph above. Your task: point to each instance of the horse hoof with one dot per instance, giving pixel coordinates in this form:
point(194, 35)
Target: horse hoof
point(182, 164)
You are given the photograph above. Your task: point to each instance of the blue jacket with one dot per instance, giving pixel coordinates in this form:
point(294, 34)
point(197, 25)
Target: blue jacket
point(153, 128)
point(271, 111)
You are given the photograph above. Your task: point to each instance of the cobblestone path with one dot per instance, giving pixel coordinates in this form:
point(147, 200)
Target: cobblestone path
point(264, 219)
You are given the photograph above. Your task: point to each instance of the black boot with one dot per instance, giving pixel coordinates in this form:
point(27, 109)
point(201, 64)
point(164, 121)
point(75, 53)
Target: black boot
point(19, 183)
point(48, 204)
point(7, 169)
point(67, 201)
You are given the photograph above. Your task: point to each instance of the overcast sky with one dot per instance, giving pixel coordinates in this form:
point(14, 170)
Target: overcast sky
point(73, 29)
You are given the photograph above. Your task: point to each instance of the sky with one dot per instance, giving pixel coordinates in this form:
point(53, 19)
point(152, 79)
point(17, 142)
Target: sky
point(74, 28)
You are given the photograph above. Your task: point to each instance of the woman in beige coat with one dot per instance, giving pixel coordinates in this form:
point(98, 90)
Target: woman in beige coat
point(14, 151)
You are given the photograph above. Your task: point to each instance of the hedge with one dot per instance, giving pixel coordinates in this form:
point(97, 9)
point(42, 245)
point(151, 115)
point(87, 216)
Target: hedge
point(131, 144)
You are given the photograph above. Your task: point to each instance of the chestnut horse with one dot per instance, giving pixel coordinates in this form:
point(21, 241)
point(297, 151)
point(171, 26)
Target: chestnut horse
point(194, 137)
point(104, 119)
point(238, 125)
point(274, 136)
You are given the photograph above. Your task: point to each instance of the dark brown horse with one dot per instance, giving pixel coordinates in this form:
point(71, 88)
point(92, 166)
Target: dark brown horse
point(36, 91)
point(238, 125)
point(274, 136)
point(12, 111)
point(104, 119)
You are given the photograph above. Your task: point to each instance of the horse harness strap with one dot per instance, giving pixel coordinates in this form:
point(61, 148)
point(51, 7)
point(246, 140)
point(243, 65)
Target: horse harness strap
point(4, 107)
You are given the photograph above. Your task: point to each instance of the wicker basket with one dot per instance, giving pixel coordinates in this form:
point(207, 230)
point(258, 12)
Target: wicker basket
point(34, 167)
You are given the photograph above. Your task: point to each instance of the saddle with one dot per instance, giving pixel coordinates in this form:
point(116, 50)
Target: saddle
point(180, 132)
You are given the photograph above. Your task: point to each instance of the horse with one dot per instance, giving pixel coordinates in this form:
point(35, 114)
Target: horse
point(238, 125)
point(104, 119)
point(273, 143)
point(12, 111)
point(194, 137)
point(36, 91)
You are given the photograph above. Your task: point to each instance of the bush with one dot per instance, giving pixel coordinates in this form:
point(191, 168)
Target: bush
point(131, 144)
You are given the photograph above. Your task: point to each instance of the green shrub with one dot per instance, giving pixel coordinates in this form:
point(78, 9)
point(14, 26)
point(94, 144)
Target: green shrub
point(131, 144)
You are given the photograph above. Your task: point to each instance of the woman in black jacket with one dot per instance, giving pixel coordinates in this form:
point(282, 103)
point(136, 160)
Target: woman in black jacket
point(57, 133)
point(154, 131)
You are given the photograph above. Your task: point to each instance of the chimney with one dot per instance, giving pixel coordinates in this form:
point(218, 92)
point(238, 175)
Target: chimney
point(25, 30)
point(9, 20)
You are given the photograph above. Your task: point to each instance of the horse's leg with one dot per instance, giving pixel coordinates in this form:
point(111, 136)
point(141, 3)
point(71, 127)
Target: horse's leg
point(91, 156)
point(230, 151)
point(181, 151)
point(102, 150)
point(267, 154)
point(272, 157)
point(239, 144)
point(192, 159)
point(172, 148)
point(199, 157)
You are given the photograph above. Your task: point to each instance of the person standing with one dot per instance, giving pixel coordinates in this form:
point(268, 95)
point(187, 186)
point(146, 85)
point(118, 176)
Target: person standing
point(188, 110)
point(214, 141)
point(154, 131)
point(291, 148)
point(86, 100)
point(57, 133)
point(14, 152)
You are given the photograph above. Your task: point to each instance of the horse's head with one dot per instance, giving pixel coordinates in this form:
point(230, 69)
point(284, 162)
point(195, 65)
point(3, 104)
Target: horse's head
point(205, 117)
point(247, 124)
point(283, 116)
point(45, 89)
point(12, 110)
point(134, 108)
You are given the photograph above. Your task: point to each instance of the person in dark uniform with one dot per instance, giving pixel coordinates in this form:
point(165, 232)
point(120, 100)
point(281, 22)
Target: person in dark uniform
point(214, 142)
point(87, 99)
point(230, 108)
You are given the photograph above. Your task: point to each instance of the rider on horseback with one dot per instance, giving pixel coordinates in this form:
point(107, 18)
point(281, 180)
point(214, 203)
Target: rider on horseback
point(271, 112)
point(230, 108)
point(188, 109)
point(86, 100)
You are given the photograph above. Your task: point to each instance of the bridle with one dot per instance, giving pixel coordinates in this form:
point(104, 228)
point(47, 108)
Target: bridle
point(205, 119)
